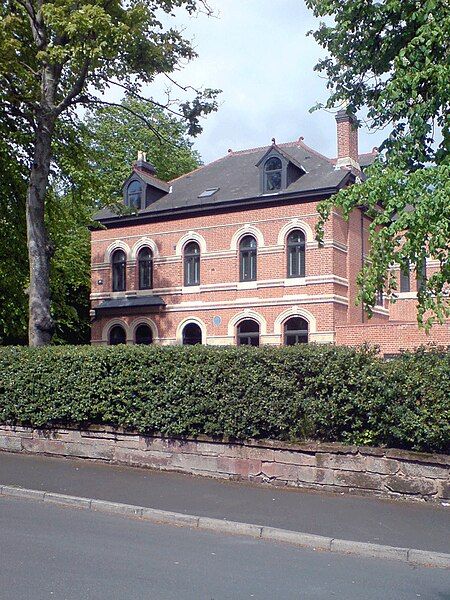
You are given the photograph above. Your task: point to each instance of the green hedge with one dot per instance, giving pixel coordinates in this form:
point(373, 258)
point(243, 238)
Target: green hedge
point(297, 393)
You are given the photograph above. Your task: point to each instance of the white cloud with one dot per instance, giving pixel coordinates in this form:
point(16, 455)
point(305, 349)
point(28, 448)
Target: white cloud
point(259, 54)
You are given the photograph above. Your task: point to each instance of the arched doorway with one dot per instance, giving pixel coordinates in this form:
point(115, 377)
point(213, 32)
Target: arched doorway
point(117, 335)
point(248, 333)
point(143, 334)
point(192, 334)
point(295, 331)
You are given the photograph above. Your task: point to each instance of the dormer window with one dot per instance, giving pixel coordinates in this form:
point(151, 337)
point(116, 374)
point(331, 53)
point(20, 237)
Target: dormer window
point(134, 195)
point(273, 170)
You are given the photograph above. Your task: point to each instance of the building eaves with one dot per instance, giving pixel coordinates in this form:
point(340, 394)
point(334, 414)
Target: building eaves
point(113, 220)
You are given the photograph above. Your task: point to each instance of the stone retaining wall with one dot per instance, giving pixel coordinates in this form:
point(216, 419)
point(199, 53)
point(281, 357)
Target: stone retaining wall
point(329, 467)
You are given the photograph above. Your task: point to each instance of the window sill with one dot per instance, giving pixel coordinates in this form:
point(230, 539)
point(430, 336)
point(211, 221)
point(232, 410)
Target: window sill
point(247, 285)
point(294, 281)
point(191, 289)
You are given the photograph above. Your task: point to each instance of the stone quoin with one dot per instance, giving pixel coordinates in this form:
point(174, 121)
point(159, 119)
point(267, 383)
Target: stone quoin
point(227, 255)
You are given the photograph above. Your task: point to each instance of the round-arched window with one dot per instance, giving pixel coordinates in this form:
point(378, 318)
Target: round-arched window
point(192, 264)
point(143, 334)
point(145, 268)
point(247, 258)
point(119, 266)
point(192, 334)
point(248, 333)
point(272, 174)
point(296, 254)
point(117, 335)
point(134, 195)
point(295, 331)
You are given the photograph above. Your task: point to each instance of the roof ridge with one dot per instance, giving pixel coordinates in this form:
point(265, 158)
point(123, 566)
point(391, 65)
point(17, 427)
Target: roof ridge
point(143, 172)
point(199, 168)
point(369, 153)
point(258, 148)
point(319, 154)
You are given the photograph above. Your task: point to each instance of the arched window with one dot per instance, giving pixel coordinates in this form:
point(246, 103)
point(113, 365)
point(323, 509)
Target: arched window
point(145, 268)
point(295, 331)
point(143, 334)
point(192, 264)
point(405, 281)
point(296, 254)
point(379, 298)
point(134, 195)
point(247, 258)
point(248, 333)
point(272, 174)
point(117, 335)
point(119, 267)
point(192, 334)
point(421, 274)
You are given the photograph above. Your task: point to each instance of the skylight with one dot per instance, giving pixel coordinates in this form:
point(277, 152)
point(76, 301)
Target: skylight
point(208, 192)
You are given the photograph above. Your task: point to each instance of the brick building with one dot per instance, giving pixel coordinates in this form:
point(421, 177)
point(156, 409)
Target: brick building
point(226, 254)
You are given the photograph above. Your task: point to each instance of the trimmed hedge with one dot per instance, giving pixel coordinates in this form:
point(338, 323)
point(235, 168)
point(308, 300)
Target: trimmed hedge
point(294, 393)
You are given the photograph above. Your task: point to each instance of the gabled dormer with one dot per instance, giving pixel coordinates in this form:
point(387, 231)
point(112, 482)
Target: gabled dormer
point(278, 170)
point(143, 187)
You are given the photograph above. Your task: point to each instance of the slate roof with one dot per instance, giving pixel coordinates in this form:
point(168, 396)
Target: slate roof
point(238, 178)
point(139, 301)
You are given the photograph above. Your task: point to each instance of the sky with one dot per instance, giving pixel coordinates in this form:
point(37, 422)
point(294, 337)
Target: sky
point(258, 53)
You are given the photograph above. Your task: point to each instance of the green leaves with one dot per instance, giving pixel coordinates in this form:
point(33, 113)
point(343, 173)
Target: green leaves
point(393, 58)
point(56, 56)
point(291, 393)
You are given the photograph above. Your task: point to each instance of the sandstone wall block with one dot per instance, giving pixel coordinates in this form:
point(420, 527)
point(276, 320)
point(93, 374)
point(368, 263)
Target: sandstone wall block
point(422, 487)
point(380, 472)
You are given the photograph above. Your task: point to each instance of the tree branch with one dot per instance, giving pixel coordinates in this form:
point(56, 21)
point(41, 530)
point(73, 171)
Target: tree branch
point(37, 25)
point(76, 89)
point(160, 137)
point(149, 100)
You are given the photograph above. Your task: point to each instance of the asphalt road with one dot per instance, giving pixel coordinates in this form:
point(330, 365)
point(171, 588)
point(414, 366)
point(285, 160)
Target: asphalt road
point(392, 523)
point(69, 554)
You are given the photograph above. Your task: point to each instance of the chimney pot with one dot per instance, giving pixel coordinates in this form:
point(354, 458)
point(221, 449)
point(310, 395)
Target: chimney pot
point(142, 165)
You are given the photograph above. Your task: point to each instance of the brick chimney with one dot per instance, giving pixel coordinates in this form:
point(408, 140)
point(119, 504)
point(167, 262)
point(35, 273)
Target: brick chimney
point(347, 140)
point(142, 165)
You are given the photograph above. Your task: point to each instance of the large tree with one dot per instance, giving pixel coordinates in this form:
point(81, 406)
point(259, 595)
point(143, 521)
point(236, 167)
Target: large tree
point(92, 162)
point(392, 58)
point(56, 55)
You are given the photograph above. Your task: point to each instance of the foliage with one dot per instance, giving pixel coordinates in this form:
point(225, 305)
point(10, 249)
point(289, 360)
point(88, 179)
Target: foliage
point(394, 58)
point(114, 136)
point(55, 57)
point(291, 393)
point(13, 252)
point(91, 164)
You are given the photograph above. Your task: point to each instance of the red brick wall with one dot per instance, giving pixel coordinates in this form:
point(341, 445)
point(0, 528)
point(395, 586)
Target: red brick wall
point(320, 297)
point(393, 337)
point(326, 297)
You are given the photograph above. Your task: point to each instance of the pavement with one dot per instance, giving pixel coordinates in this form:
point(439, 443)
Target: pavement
point(369, 520)
point(48, 551)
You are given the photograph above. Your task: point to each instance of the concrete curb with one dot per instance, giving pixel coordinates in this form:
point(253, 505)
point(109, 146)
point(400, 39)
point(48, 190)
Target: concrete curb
point(306, 540)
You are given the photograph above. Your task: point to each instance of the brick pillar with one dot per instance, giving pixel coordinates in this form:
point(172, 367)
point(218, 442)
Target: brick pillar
point(347, 140)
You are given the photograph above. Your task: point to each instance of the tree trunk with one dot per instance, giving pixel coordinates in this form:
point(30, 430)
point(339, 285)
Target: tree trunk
point(41, 324)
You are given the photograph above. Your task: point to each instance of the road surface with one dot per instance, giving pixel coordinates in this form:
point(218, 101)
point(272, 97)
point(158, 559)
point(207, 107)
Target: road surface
point(47, 551)
point(393, 523)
